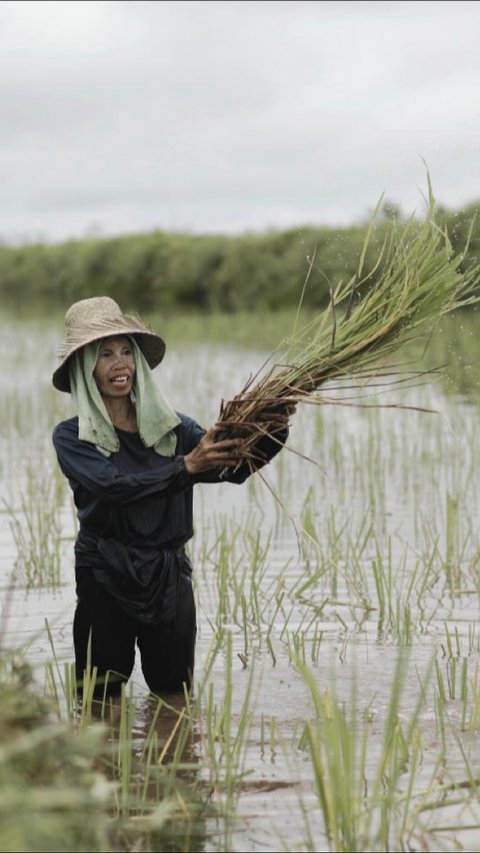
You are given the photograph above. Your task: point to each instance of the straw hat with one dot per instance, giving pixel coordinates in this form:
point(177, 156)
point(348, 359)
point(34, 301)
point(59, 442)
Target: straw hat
point(99, 317)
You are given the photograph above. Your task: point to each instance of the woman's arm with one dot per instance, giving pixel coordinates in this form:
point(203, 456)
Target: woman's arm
point(263, 451)
point(83, 464)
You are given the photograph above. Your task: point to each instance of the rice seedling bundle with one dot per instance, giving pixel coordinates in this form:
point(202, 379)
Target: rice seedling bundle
point(417, 279)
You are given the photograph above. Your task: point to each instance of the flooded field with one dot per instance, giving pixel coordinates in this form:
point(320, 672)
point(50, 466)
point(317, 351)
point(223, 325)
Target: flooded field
point(337, 690)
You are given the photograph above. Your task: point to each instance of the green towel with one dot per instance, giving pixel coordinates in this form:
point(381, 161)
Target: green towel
point(155, 416)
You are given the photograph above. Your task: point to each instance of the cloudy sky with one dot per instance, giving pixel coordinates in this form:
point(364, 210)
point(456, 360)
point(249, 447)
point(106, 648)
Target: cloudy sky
point(219, 116)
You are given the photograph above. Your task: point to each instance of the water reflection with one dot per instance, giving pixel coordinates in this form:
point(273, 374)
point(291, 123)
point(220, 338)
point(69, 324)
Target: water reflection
point(152, 752)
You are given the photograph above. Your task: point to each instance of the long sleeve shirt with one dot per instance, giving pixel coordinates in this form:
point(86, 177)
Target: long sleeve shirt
point(136, 505)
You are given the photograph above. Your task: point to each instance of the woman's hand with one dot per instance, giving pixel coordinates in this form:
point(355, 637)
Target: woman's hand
point(210, 454)
point(286, 411)
point(280, 415)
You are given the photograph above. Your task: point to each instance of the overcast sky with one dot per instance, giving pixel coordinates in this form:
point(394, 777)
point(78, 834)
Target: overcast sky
point(219, 116)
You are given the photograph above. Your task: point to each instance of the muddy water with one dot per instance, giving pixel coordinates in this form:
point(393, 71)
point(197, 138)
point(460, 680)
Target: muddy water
point(390, 485)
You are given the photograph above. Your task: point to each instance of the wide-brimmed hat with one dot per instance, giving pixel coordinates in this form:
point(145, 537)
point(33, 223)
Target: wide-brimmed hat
point(100, 317)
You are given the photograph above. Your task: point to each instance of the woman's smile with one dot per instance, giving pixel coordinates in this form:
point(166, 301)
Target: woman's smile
point(120, 380)
point(115, 368)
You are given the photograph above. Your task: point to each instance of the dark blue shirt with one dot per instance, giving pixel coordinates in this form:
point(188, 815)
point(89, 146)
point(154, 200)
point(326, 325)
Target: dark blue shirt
point(136, 496)
point(135, 513)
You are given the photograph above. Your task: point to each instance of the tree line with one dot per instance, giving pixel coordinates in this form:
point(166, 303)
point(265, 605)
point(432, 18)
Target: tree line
point(162, 271)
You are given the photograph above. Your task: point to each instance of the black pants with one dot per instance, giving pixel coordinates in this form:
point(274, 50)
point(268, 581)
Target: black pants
point(105, 637)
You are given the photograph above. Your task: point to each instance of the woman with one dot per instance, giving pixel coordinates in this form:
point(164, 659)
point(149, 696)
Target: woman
point(132, 461)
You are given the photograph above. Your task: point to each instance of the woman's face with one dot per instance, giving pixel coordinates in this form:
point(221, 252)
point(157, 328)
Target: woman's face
point(115, 368)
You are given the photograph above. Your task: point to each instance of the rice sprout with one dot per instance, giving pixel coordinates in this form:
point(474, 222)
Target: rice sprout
point(419, 281)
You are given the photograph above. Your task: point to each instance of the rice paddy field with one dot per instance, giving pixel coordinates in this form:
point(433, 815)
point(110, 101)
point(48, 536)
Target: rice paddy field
point(337, 689)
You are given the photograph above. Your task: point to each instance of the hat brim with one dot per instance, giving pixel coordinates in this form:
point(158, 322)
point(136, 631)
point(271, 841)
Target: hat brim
point(151, 344)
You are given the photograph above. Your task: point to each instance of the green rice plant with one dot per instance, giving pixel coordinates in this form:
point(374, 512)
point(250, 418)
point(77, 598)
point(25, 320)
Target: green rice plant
point(36, 529)
point(442, 692)
point(452, 680)
point(453, 552)
point(373, 796)
point(243, 591)
point(162, 794)
point(473, 639)
point(456, 548)
point(225, 567)
point(305, 587)
point(124, 756)
point(457, 678)
point(62, 689)
point(471, 718)
point(316, 644)
point(421, 280)
point(394, 606)
point(451, 565)
point(453, 683)
point(246, 581)
point(377, 579)
point(364, 800)
point(326, 566)
point(269, 740)
point(224, 740)
point(308, 515)
point(453, 644)
point(48, 781)
point(158, 796)
point(455, 803)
